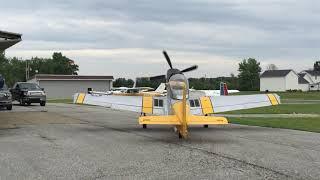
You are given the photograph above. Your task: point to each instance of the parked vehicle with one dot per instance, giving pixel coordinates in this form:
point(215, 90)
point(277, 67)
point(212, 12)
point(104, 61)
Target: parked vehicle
point(5, 95)
point(27, 93)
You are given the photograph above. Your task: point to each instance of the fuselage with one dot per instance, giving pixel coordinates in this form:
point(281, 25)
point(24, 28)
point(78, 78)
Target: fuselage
point(176, 84)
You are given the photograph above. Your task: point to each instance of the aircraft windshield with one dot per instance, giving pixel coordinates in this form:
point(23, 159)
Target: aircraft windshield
point(177, 83)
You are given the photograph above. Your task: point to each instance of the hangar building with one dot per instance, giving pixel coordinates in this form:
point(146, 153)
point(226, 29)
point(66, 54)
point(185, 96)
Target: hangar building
point(64, 86)
point(282, 80)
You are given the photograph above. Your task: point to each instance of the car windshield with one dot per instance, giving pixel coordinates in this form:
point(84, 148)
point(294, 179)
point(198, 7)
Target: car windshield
point(29, 86)
point(176, 84)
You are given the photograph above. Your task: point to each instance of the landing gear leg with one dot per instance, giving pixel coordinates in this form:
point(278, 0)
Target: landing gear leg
point(144, 126)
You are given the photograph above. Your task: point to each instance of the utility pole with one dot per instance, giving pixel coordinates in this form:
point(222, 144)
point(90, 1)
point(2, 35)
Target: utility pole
point(27, 70)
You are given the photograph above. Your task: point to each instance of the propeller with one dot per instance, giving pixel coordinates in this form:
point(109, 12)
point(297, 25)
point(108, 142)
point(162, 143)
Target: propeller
point(160, 77)
point(194, 67)
point(167, 58)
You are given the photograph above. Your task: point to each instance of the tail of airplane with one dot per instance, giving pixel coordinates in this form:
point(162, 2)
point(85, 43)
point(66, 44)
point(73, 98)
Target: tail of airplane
point(223, 89)
point(161, 88)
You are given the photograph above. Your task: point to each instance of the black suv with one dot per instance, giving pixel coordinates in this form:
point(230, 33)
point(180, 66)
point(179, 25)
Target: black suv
point(27, 93)
point(5, 95)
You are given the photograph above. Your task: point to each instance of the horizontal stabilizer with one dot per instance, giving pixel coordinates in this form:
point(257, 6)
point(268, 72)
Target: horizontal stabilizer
point(171, 120)
point(194, 120)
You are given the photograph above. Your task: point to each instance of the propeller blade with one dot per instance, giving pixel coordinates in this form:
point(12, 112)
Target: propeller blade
point(153, 78)
point(190, 68)
point(167, 58)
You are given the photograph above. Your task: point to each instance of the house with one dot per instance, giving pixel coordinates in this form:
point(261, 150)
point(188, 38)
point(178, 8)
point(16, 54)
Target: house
point(64, 86)
point(282, 80)
point(313, 77)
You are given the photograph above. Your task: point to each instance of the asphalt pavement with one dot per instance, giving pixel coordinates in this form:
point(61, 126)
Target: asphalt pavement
point(64, 141)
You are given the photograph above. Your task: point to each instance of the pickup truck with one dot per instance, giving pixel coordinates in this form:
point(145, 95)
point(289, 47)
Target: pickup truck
point(27, 93)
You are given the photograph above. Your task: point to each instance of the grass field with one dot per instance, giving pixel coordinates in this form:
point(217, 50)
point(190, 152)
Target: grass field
point(292, 103)
point(282, 109)
point(314, 95)
point(304, 124)
point(67, 101)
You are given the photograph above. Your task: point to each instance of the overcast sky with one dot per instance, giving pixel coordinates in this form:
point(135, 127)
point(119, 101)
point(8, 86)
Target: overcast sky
point(125, 38)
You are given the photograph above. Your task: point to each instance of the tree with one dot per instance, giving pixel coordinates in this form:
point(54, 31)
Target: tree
point(13, 69)
point(316, 66)
point(146, 82)
point(122, 82)
point(272, 67)
point(249, 75)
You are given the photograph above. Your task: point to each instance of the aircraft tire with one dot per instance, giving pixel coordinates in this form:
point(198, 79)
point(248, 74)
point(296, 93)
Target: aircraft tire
point(144, 126)
point(206, 126)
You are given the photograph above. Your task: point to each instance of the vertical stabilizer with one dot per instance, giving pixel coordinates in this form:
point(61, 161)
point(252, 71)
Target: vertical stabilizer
point(223, 89)
point(161, 88)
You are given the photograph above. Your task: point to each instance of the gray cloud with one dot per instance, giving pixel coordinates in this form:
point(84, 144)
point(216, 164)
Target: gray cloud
point(283, 32)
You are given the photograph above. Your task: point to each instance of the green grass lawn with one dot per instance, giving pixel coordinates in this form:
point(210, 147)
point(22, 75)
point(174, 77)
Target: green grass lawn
point(281, 109)
point(304, 124)
point(67, 101)
point(314, 95)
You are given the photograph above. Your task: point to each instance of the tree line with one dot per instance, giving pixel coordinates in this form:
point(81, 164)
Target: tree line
point(14, 69)
point(247, 80)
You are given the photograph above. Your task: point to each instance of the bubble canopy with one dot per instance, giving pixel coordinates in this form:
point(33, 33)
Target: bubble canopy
point(177, 83)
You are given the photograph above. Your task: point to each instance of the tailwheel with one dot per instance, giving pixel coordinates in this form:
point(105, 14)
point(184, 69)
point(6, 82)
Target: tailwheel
point(206, 126)
point(144, 126)
point(180, 136)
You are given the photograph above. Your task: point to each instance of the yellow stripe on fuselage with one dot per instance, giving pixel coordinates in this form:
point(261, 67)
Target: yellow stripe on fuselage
point(206, 105)
point(273, 99)
point(147, 104)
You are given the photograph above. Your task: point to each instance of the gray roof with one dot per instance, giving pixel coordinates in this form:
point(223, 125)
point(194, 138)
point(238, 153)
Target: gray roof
point(302, 80)
point(313, 73)
point(70, 77)
point(276, 73)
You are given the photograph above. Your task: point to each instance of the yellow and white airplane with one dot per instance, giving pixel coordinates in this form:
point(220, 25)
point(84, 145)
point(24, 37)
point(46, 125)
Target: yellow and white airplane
point(179, 108)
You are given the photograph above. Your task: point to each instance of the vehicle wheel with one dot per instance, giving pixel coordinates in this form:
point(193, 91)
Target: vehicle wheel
point(22, 102)
point(180, 136)
point(9, 107)
point(206, 126)
point(144, 126)
point(42, 103)
point(28, 103)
